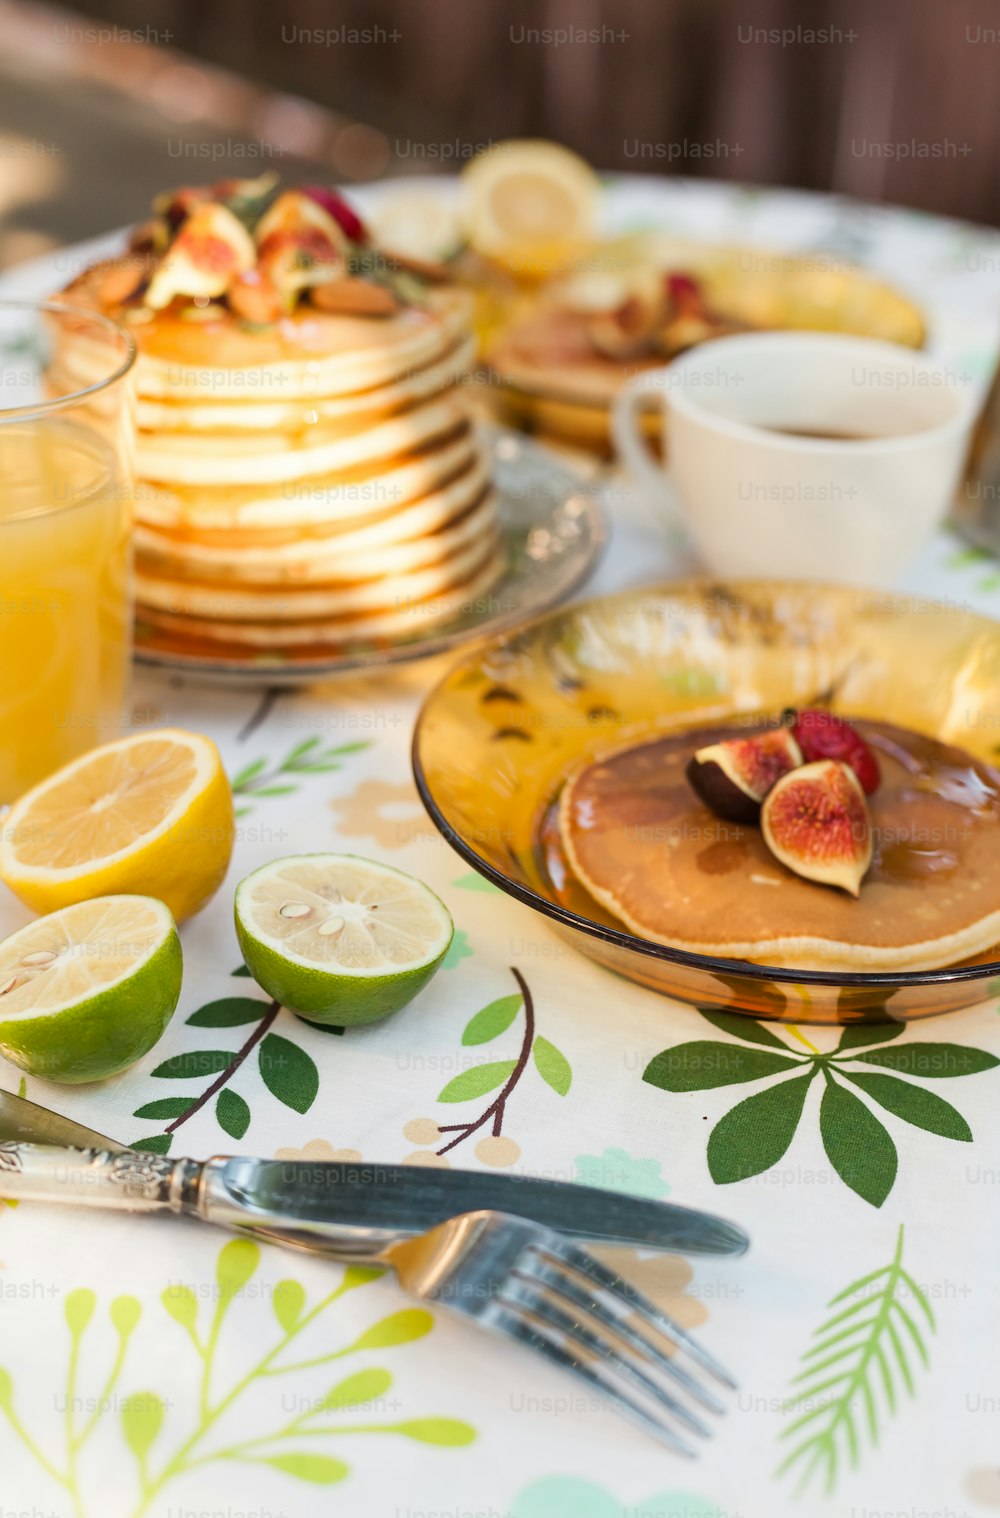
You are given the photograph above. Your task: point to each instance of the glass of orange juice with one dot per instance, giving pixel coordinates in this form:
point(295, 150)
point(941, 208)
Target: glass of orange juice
point(67, 431)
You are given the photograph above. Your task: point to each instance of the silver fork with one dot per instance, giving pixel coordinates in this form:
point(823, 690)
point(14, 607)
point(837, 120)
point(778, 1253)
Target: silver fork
point(530, 1284)
point(516, 1277)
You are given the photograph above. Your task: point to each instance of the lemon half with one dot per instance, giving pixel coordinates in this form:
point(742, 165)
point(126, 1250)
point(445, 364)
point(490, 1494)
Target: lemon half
point(532, 205)
point(151, 814)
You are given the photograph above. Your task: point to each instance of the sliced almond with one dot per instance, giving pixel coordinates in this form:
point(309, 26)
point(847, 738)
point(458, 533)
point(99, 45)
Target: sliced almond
point(353, 297)
point(423, 268)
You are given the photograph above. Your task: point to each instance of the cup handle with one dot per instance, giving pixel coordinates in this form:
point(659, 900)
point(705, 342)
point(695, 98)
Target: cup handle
point(626, 431)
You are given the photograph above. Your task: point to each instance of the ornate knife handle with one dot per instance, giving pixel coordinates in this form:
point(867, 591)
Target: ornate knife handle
point(130, 1182)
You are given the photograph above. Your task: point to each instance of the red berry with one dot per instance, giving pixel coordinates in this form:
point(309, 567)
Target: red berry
point(685, 292)
point(821, 735)
point(335, 205)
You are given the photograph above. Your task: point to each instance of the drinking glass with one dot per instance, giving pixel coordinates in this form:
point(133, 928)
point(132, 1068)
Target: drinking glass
point(66, 478)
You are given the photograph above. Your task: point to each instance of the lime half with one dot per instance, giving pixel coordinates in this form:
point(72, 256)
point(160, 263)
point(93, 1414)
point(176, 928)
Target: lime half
point(338, 939)
point(87, 991)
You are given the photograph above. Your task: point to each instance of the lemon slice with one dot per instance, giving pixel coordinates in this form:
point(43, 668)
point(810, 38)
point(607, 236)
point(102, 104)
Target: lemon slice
point(87, 991)
point(150, 814)
point(530, 204)
point(339, 939)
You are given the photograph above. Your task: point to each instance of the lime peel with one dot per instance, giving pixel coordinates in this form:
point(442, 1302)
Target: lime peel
point(88, 990)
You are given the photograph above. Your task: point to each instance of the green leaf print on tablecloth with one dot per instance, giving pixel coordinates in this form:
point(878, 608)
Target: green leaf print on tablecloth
point(262, 778)
point(458, 949)
point(288, 1072)
point(489, 1023)
point(617, 1170)
point(492, 1020)
point(161, 1454)
point(755, 1134)
point(863, 1361)
point(988, 580)
point(475, 882)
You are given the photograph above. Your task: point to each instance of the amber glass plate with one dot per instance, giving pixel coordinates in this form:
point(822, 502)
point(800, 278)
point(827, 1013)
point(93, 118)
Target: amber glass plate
point(497, 737)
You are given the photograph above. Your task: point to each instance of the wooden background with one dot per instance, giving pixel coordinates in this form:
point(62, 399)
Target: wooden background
point(917, 74)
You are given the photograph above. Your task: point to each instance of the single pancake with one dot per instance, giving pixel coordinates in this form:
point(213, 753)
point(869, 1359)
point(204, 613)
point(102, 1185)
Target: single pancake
point(640, 841)
point(308, 354)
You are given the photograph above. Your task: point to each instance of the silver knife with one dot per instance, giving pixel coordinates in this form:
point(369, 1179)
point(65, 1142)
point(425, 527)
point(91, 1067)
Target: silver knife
point(44, 1156)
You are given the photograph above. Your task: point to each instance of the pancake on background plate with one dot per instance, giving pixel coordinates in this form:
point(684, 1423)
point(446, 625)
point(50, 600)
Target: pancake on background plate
point(646, 847)
point(637, 302)
point(304, 450)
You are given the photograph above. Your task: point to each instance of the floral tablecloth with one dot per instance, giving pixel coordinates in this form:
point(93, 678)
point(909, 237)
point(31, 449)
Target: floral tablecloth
point(151, 1367)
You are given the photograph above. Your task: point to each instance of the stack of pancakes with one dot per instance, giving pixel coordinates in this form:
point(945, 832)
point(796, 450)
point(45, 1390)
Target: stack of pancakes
point(314, 481)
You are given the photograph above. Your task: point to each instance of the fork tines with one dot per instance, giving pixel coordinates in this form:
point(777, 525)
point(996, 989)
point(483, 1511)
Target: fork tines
point(579, 1314)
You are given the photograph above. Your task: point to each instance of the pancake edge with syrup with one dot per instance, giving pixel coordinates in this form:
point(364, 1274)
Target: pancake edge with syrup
point(800, 951)
point(206, 458)
point(279, 604)
point(324, 502)
point(250, 413)
point(396, 617)
point(243, 553)
point(359, 556)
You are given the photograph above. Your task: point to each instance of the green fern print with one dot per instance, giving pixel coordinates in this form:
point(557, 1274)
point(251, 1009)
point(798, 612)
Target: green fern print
point(262, 779)
point(755, 1134)
point(853, 1378)
point(291, 1447)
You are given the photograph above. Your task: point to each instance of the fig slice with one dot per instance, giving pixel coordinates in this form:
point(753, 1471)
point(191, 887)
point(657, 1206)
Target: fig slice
point(294, 213)
point(816, 822)
point(734, 776)
point(207, 254)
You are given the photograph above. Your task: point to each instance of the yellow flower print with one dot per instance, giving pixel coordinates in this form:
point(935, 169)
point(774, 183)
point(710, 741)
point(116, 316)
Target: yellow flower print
point(320, 1150)
point(664, 1278)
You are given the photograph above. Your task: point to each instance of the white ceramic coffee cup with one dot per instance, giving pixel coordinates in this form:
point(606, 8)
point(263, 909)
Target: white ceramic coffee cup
point(759, 502)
